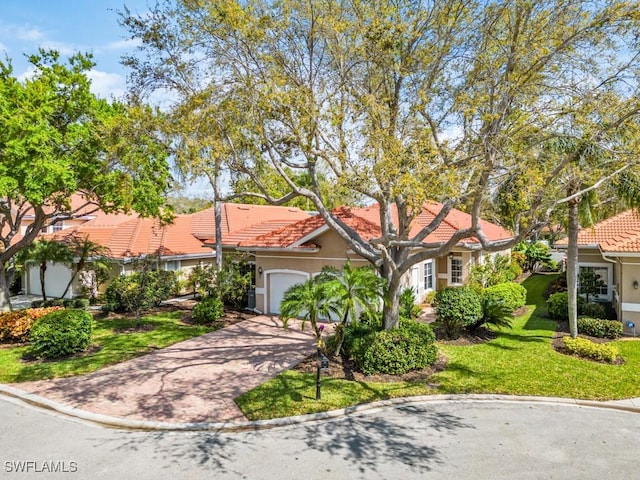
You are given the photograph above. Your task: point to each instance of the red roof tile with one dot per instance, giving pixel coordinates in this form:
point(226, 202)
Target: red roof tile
point(365, 221)
point(620, 233)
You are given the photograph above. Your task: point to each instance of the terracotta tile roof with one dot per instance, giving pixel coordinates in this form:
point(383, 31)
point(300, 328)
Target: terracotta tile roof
point(237, 217)
point(365, 221)
point(620, 233)
point(130, 235)
point(289, 235)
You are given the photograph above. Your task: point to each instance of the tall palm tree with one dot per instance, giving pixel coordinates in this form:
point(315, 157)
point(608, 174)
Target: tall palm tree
point(44, 252)
point(82, 249)
point(309, 301)
point(352, 291)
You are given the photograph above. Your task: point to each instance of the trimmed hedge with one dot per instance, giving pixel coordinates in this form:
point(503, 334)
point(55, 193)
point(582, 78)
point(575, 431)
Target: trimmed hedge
point(457, 308)
point(596, 327)
point(409, 347)
point(61, 333)
point(511, 295)
point(207, 310)
point(584, 348)
point(16, 326)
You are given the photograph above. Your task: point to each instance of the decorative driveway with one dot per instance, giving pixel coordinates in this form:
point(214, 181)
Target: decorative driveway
point(191, 381)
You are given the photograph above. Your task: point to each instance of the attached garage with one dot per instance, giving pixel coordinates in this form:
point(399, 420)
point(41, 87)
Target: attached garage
point(278, 282)
point(56, 278)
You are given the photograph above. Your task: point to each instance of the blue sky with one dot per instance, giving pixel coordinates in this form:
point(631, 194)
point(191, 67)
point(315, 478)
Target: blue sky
point(70, 26)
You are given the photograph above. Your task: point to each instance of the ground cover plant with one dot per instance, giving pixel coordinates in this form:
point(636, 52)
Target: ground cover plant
point(519, 361)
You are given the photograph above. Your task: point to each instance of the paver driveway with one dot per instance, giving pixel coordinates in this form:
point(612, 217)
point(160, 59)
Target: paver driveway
point(191, 381)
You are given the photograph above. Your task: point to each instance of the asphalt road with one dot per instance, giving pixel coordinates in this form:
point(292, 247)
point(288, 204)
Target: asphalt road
point(474, 440)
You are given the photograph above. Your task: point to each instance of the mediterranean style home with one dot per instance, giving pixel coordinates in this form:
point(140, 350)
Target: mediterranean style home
point(611, 249)
point(285, 246)
point(299, 251)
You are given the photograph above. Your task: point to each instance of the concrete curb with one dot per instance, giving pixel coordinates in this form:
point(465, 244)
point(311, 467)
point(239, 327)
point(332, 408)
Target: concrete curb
point(127, 424)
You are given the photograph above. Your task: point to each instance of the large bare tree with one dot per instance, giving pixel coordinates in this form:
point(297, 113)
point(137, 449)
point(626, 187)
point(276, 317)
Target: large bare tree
point(405, 102)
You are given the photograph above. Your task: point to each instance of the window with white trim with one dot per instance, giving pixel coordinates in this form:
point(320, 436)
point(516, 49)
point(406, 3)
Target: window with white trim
point(57, 227)
point(603, 273)
point(172, 265)
point(428, 275)
point(455, 269)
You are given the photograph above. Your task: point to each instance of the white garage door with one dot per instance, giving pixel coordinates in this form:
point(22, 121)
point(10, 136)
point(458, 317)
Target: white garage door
point(55, 280)
point(278, 283)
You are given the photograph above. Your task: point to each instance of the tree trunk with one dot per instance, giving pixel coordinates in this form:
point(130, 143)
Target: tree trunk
point(218, 220)
point(5, 296)
point(43, 271)
point(391, 309)
point(572, 266)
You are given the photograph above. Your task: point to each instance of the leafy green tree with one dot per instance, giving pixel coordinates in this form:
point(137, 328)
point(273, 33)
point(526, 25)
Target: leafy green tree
point(536, 255)
point(58, 139)
point(404, 102)
point(42, 252)
point(352, 290)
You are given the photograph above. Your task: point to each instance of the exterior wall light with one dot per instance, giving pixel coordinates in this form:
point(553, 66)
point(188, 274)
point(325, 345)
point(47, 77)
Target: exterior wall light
point(635, 284)
point(260, 272)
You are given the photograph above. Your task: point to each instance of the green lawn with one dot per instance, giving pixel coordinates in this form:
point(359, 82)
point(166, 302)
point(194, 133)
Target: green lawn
point(116, 346)
point(520, 361)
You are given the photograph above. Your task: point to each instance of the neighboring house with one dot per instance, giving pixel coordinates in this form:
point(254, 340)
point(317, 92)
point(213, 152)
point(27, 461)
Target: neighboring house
point(299, 251)
point(179, 245)
point(611, 248)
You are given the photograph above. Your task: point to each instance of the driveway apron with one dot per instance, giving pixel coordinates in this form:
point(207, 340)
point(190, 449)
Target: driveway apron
point(191, 381)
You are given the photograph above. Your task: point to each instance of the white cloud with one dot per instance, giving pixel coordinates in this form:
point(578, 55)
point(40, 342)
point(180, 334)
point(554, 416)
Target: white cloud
point(62, 48)
point(107, 85)
point(28, 74)
point(27, 33)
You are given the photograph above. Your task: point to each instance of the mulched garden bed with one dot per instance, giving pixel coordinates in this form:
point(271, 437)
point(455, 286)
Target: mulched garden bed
point(562, 330)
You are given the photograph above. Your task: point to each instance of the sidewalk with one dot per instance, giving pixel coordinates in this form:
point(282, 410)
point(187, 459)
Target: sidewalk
point(191, 381)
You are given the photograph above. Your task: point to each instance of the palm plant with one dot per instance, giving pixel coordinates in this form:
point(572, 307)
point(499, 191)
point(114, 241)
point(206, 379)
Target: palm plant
point(83, 249)
point(352, 291)
point(44, 252)
point(309, 301)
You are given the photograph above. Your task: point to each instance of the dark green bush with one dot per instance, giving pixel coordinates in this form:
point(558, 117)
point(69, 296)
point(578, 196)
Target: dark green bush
point(512, 295)
point(61, 333)
point(207, 310)
point(456, 309)
point(596, 327)
point(409, 347)
point(558, 305)
point(356, 331)
point(593, 310)
point(582, 347)
point(495, 312)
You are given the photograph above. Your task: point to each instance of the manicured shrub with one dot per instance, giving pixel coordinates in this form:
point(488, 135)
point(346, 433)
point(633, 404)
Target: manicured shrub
point(596, 327)
point(61, 333)
point(16, 326)
point(456, 309)
point(512, 295)
point(593, 310)
point(584, 348)
point(558, 305)
point(207, 310)
point(356, 331)
point(409, 347)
